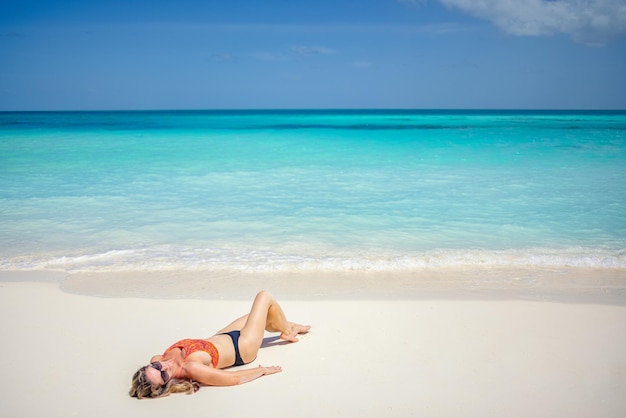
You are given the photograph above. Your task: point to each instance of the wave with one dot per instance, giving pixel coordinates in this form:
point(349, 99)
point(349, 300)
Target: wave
point(251, 261)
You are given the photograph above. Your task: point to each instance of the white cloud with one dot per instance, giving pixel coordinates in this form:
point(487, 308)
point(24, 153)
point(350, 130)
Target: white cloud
point(14, 35)
point(269, 56)
point(442, 28)
point(362, 64)
point(223, 57)
point(312, 50)
point(588, 21)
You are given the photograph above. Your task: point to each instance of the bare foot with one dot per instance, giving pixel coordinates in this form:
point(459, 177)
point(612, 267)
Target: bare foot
point(293, 329)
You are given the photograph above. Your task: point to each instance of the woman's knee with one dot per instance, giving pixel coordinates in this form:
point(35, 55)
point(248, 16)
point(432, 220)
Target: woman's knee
point(264, 295)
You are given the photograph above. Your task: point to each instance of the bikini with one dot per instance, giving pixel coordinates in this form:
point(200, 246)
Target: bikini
point(234, 335)
point(192, 345)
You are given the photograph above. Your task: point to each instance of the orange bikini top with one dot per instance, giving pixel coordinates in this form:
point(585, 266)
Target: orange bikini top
point(191, 346)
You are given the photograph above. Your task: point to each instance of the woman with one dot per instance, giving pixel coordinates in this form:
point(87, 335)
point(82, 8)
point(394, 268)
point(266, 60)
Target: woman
point(190, 363)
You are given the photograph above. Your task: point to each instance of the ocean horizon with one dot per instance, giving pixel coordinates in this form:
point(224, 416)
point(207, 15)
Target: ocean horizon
point(312, 190)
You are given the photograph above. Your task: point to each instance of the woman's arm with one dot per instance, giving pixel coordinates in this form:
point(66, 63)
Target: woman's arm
point(215, 377)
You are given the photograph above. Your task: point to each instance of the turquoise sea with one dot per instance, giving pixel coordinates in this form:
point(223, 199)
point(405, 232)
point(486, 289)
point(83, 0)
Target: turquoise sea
point(294, 191)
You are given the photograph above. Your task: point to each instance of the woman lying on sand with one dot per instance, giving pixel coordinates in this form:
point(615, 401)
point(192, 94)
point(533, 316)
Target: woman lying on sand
point(189, 363)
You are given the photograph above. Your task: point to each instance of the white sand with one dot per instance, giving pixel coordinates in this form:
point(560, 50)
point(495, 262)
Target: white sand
point(65, 355)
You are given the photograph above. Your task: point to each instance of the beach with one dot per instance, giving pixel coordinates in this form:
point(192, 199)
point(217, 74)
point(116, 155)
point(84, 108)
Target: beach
point(451, 263)
point(447, 349)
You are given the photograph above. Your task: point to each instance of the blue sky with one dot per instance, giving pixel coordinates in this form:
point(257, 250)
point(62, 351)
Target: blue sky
point(125, 54)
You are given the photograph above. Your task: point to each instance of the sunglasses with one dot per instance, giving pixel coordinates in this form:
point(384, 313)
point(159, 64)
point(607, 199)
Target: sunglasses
point(157, 365)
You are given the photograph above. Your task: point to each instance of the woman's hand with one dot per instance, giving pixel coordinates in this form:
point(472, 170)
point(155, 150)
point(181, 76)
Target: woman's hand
point(248, 375)
point(271, 369)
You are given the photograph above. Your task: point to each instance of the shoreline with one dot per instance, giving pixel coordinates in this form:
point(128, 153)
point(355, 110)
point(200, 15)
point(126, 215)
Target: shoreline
point(572, 285)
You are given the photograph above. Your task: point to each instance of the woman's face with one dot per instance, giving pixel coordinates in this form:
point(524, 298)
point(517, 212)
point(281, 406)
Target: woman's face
point(156, 374)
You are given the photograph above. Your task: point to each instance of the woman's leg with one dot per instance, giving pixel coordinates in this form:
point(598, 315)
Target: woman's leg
point(237, 324)
point(265, 315)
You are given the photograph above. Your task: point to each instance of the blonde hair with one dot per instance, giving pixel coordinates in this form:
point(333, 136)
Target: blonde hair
point(141, 387)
